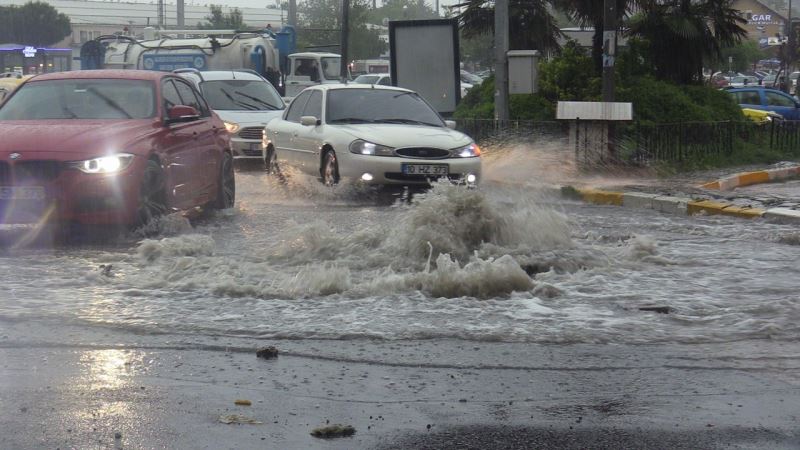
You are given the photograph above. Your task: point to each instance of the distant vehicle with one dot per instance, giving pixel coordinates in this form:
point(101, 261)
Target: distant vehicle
point(766, 99)
point(110, 147)
point(244, 100)
point(740, 81)
point(10, 83)
point(761, 117)
point(369, 66)
point(385, 79)
point(309, 69)
point(470, 78)
point(382, 79)
point(377, 134)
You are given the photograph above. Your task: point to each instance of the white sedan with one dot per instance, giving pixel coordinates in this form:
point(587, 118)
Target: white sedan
point(376, 134)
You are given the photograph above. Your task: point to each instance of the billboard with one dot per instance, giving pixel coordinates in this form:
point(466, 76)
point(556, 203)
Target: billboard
point(424, 58)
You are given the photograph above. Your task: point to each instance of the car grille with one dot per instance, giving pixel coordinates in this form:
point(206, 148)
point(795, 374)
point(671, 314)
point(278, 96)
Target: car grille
point(251, 152)
point(29, 171)
point(252, 133)
point(422, 152)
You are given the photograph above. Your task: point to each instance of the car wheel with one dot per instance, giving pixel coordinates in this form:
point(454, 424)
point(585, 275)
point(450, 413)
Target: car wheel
point(226, 186)
point(330, 169)
point(152, 195)
point(271, 162)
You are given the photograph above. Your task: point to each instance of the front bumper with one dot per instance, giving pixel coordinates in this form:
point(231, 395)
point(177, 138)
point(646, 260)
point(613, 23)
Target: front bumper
point(388, 170)
point(71, 196)
point(247, 148)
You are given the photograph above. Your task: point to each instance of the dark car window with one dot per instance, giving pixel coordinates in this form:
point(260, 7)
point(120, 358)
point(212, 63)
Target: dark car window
point(189, 97)
point(314, 105)
point(748, 98)
point(297, 106)
point(81, 99)
point(379, 105)
point(385, 81)
point(241, 95)
point(170, 94)
point(775, 99)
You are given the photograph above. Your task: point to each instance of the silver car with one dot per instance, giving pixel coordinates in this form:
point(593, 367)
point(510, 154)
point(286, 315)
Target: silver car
point(375, 134)
point(244, 100)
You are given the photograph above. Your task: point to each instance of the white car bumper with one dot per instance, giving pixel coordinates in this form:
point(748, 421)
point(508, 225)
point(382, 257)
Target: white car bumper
point(389, 170)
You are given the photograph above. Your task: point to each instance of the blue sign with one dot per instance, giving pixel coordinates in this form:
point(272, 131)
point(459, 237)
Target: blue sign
point(168, 62)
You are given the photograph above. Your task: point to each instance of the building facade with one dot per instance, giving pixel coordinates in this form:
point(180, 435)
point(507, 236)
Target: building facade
point(764, 24)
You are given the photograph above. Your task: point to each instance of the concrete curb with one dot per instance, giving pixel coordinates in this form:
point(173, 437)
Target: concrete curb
point(749, 178)
point(675, 205)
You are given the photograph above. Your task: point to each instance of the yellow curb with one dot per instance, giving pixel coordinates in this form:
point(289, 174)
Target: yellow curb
point(748, 178)
point(726, 209)
point(601, 197)
point(712, 185)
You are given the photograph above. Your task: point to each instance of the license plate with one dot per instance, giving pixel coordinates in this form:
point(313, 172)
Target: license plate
point(22, 193)
point(256, 147)
point(426, 169)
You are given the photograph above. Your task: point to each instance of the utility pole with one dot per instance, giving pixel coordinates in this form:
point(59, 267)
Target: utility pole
point(790, 51)
point(501, 111)
point(292, 14)
point(609, 48)
point(345, 26)
point(180, 14)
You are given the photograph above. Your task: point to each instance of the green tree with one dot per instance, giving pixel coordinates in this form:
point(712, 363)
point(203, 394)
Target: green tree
point(477, 50)
point(34, 23)
point(589, 13)
point(218, 20)
point(318, 28)
point(744, 56)
point(531, 26)
point(683, 34)
point(401, 10)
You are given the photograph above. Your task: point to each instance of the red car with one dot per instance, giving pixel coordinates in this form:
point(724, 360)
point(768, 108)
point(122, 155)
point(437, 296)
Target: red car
point(110, 147)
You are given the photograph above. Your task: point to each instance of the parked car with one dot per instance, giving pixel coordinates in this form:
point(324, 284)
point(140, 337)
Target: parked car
point(377, 134)
point(470, 78)
point(766, 99)
point(740, 81)
point(110, 147)
point(244, 100)
point(10, 83)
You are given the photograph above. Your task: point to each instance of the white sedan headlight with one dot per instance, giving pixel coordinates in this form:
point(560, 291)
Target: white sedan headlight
point(469, 151)
point(360, 147)
point(105, 164)
point(232, 127)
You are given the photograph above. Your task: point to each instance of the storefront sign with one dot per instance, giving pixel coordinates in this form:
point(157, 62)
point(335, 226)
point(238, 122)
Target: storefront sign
point(29, 52)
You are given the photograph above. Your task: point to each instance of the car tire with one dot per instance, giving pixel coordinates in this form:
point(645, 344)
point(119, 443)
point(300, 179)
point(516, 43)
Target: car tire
point(271, 162)
point(330, 169)
point(152, 194)
point(226, 185)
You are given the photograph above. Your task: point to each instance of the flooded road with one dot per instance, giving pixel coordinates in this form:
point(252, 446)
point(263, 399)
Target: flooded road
point(499, 263)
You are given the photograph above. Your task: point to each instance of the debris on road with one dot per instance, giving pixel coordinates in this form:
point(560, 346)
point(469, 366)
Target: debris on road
point(333, 431)
point(243, 402)
point(657, 309)
point(267, 352)
point(238, 418)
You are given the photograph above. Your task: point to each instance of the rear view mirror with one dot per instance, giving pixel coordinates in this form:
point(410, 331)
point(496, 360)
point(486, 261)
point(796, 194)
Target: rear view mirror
point(309, 121)
point(450, 124)
point(182, 113)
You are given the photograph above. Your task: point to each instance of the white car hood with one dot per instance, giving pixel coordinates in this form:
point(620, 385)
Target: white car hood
point(398, 136)
point(245, 118)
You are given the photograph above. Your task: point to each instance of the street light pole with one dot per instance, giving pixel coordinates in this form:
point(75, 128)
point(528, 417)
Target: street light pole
point(345, 25)
point(501, 111)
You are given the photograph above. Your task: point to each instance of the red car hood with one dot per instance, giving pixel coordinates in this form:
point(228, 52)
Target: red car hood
point(69, 139)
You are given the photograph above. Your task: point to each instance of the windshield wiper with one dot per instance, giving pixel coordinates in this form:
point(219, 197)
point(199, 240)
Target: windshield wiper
point(256, 99)
point(237, 102)
point(351, 120)
point(109, 102)
point(408, 121)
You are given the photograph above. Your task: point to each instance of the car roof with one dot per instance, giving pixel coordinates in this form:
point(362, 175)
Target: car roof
point(313, 54)
point(374, 75)
point(754, 88)
point(217, 75)
point(105, 74)
point(338, 86)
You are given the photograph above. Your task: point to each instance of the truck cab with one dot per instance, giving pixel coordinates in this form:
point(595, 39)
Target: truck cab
point(311, 68)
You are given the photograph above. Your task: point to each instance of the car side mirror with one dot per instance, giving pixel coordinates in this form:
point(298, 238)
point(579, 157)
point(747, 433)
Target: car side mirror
point(181, 113)
point(450, 124)
point(309, 121)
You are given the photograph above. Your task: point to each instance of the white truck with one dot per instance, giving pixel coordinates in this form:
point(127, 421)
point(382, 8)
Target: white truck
point(310, 68)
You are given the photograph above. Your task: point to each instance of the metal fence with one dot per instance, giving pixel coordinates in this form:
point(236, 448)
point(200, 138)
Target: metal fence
point(642, 144)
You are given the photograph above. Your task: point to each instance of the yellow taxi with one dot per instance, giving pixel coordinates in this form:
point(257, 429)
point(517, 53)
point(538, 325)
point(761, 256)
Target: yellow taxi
point(9, 83)
point(761, 117)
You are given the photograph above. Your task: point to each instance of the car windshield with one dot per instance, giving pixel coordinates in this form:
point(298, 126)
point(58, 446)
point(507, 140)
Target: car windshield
point(379, 106)
point(81, 99)
point(331, 67)
point(241, 95)
point(366, 79)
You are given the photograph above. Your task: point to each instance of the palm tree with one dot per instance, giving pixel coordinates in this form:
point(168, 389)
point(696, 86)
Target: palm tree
point(682, 34)
point(531, 24)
